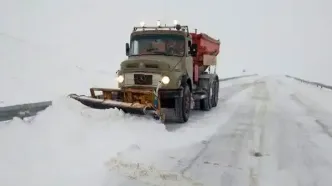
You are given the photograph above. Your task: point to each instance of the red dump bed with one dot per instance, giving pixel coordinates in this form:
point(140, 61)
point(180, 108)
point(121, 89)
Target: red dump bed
point(207, 50)
point(205, 45)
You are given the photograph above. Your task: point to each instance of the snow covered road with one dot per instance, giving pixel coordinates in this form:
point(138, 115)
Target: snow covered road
point(264, 132)
point(267, 139)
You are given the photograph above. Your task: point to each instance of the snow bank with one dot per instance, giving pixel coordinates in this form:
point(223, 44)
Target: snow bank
point(69, 144)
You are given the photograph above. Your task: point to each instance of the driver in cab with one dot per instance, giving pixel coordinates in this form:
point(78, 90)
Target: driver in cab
point(175, 48)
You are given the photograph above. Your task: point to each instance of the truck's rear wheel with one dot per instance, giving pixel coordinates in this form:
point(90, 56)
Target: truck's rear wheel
point(215, 96)
point(206, 103)
point(183, 105)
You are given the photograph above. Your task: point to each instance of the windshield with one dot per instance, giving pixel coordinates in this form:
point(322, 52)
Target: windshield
point(171, 45)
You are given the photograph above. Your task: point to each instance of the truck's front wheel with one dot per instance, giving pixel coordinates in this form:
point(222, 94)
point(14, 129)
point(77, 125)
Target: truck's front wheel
point(183, 105)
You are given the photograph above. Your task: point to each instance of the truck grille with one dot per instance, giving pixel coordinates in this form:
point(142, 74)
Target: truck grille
point(142, 79)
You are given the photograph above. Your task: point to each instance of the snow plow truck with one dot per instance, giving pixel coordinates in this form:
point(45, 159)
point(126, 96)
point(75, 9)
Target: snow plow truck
point(168, 72)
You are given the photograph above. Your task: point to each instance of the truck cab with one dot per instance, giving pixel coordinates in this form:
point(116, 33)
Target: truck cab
point(159, 54)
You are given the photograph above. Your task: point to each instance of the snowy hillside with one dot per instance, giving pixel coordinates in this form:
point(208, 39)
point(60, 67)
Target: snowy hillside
point(32, 72)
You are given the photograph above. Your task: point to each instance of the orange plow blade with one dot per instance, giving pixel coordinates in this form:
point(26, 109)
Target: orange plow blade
point(134, 101)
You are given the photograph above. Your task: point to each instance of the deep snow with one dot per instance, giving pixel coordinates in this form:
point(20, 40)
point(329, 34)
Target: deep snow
point(69, 144)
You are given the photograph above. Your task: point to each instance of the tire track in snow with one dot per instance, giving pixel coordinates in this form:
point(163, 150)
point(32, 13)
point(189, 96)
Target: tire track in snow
point(324, 127)
point(296, 154)
point(237, 90)
point(312, 112)
point(299, 155)
point(257, 134)
point(178, 171)
point(223, 156)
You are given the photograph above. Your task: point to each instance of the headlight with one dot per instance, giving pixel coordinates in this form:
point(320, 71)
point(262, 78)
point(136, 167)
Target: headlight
point(120, 78)
point(165, 80)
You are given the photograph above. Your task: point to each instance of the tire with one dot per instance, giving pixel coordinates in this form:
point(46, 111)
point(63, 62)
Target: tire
point(183, 105)
point(206, 104)
point(215, 96)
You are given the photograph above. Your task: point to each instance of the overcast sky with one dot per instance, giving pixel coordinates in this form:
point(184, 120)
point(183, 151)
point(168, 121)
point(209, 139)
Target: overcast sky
point(268, 37)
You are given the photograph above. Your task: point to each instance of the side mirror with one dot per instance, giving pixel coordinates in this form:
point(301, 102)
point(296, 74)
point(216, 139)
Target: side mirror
point(189, 47)
point(193, 50)
point(127, 49)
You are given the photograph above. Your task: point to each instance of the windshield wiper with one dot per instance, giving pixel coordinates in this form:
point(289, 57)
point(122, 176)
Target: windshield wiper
point(155, 51)
point(151, 49)
point(163, 53)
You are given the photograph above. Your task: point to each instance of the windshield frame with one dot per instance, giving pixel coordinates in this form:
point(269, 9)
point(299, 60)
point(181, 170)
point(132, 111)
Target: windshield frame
point(177, 37)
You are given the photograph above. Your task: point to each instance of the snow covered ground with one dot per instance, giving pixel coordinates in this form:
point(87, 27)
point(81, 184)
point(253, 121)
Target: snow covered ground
point(265, 131)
